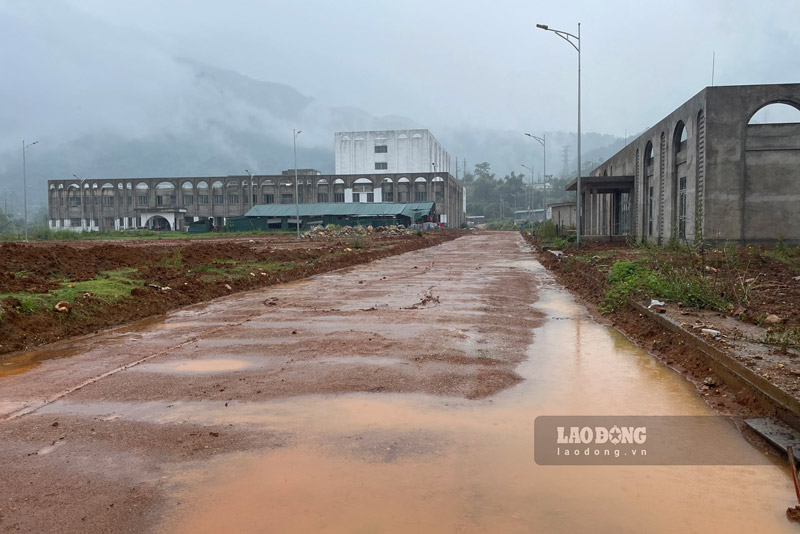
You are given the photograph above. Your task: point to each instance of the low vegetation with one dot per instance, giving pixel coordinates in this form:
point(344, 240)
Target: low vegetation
point(108, 286)
point(650, 277)
point(751, 283)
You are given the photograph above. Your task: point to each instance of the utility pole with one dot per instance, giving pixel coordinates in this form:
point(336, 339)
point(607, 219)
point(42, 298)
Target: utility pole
point(83, 204)
point(296, 186)
point(25, 186)
point(575, 42)
point(250, 201)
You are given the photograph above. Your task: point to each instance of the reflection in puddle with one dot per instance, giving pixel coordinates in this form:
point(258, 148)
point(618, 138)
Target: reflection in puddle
point(26, 361)
point(205, 366)
point(362, 360)
point(418, 463)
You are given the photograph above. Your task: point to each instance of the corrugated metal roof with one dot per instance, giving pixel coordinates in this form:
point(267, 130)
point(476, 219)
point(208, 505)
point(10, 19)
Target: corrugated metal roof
point(351, 209)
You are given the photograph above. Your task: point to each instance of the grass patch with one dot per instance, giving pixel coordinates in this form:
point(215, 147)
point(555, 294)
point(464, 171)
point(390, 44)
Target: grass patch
point(663, 281)
point(242, 269)
point(787, 338)
point(784, 253)
point(547, 234)
point(43, 233)
point(208, 269)
point(107, 286)
point(174, 260)
point(235, 269)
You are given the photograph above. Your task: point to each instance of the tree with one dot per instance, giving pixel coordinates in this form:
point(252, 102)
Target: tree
point(7, 224)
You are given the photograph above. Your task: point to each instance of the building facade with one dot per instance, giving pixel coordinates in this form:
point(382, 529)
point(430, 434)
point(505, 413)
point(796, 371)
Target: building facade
point(706, 171)
point(174, 203)
point(389, 152)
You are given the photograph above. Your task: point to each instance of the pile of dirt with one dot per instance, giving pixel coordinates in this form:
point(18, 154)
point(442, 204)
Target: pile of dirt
point(171, 274)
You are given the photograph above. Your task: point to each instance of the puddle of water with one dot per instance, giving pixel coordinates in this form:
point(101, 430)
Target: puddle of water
point(24, 362)
point(196, 367)
point(362, 360)
point(167, 325)
point(415, 463)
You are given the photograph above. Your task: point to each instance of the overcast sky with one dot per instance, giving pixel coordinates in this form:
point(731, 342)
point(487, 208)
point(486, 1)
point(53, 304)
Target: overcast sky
point(466, 62)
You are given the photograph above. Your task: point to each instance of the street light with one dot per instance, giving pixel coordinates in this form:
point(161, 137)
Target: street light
point(542, 141)
point(25, 185)
point(576, 44)
point(250, 200)
point(530, 202)
point(433, 164)
point(296, 187)
point(83, 204)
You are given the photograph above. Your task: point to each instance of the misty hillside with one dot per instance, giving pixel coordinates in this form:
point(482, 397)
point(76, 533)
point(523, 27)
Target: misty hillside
point(223, 122)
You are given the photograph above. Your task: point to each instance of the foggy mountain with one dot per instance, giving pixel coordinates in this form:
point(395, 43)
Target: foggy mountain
point(258, 137)
point(106, 101)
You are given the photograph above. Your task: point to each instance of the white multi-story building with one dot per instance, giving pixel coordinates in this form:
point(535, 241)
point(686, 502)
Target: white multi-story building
point(390, 152)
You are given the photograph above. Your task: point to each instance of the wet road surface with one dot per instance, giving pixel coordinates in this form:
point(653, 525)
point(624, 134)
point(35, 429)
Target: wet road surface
point(392, 397)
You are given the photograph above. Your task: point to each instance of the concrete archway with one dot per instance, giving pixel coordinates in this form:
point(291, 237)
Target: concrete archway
point(160, 223)
point(772, 163)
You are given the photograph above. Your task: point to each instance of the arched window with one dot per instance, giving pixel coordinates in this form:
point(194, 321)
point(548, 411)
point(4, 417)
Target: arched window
point(680, 137)
point(777, 113)
point(649, 189)
point(338, 190)
point(217, 193)
point(679, 180)
point(165, 194)
point(142, 194)
point(187, 194)
point(363, 190)
point(420, 189)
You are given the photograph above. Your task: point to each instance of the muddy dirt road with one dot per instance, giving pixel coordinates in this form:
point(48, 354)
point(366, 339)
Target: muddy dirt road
point(397, 396)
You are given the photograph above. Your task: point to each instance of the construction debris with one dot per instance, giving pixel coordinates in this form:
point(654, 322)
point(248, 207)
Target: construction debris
point(330, 231)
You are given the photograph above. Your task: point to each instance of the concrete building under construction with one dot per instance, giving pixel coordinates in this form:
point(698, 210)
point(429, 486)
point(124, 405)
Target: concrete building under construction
point(709, 170)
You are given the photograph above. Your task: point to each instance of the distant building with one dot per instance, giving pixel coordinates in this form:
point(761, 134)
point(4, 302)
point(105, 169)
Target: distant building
point(402, 166)
point(534, 215)
point(389, 152)
point(706, 171)
point(174, 203)
point(562, 214)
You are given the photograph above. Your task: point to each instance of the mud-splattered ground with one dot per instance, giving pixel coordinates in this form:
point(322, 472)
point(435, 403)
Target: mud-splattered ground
point(190, 270)
point(110, 418)
point(773, 289)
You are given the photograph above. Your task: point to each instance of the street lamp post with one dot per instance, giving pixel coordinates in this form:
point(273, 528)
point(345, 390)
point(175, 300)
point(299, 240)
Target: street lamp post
point(296, 186)
point(25, 186)
point(575, 41)
point(542, 141)
point(250, 201)
point(83, 204)
point(530, 202)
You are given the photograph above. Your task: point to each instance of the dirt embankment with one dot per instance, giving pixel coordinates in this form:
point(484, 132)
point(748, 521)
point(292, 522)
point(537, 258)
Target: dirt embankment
point(168, 274)
point(589, 281)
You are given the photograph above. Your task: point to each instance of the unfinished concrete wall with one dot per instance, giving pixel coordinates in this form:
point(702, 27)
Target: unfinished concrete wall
point(772, 182)
point(658, 159)
point(749, 188)
point(712, 175)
